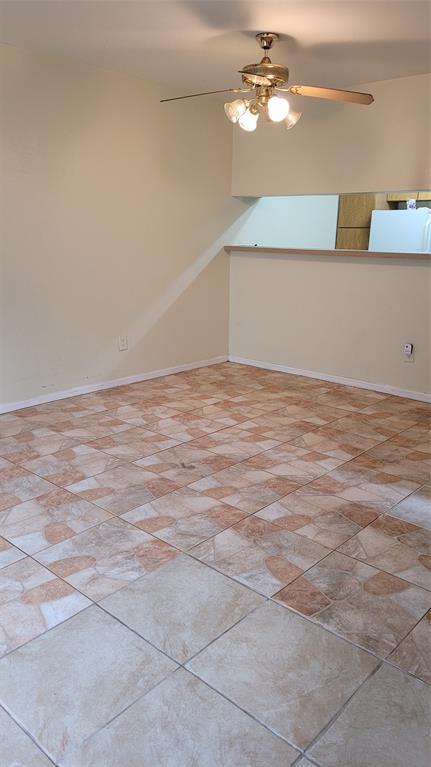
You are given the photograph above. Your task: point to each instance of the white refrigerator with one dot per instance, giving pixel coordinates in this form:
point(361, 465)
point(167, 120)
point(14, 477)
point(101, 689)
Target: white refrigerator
point(399, 231)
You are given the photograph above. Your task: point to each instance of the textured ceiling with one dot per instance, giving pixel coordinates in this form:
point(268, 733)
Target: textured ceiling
point(201, 44)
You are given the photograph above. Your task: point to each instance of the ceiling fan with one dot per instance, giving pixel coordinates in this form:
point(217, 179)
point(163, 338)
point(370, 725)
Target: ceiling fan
point(264, 80)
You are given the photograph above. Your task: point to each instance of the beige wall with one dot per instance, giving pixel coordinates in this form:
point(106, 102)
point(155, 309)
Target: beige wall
point(342, 147)
point(337, 316)
point(113, 213)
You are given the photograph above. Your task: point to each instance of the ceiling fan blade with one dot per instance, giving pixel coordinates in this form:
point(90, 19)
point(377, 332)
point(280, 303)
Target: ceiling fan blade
point(207, 93)
point(334, 94)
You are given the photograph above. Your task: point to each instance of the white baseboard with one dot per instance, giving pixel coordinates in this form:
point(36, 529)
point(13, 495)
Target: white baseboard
point(383, 388)
point(7, 407)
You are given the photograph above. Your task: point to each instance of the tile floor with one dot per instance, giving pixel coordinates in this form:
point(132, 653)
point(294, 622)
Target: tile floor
point(228, 567)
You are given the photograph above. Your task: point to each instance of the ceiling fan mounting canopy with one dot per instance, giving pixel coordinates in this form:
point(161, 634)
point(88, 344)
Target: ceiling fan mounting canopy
point(267, 39)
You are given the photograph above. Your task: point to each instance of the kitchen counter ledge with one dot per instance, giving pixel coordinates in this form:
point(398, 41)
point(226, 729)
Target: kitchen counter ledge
point(336, 253)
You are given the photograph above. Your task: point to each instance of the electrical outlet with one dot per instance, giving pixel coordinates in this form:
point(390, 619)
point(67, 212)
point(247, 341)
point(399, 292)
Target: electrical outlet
point(123, 343)
point(408, 351)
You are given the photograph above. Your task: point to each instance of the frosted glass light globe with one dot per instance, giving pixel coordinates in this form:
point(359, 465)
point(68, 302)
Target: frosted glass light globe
point(235, 109)
point(248, 121)
point(278, 109)
point(292, 118)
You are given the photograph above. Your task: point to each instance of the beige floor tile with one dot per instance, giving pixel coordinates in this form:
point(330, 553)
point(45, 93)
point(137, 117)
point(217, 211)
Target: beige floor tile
point(260, 554)
point(343, 445)
point(291, 675)
point(17, 484)
point(90, 427)
point(295, 463)
point(235, 443)
point(184, 518)
point(182, 722)
point(371, 608)
point(317, 415)
point(262, 401)
point(94, 402)
point(384, 724)
point(352, 399)
point(12, 424)
point(27, 420)
point(187, 426)
point(182, 606)
point(414, 652)
point(8, 553)
point(58, 409)
point(405, 463)
point(229, 407)
point(124, 488)
point(33, 600)
point(49, 519)
point(16, 748)
point(374, 489)
point(324, 518)
point(220, 414)
point(400, 407)
point(184, 464)
point(65, 685)
point(72, 465)
point(32, 444)
point(372, 426)
point(185, 403)
point(395, 546)
point(277, 426)
point(133, 444)
point(105, 558)
point(416, 438)
point(143, 414)
point(246, 488)
point(416, 508)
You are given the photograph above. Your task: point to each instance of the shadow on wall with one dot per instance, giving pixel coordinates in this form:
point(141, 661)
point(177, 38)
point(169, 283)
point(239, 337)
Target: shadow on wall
point(160, 315)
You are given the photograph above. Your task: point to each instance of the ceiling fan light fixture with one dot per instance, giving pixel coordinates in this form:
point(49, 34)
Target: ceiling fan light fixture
point(278, 109)
point(248, 121)
point(235, 109)
point(292, 118)
point(262, 79)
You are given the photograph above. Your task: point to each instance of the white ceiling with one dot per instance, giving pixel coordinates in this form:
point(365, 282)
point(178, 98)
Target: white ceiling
point(200, 44)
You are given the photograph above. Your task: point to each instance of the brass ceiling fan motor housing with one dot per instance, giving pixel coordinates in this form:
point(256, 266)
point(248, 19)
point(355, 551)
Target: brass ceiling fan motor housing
point(265, 73)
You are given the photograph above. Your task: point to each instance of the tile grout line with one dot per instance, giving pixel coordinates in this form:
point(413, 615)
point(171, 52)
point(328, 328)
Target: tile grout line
point(342, 708)
point(244, 711)
point(26, 733)
point(129, 705)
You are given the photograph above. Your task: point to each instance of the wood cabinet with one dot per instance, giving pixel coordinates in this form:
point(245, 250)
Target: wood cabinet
point(403, 196)
point(352, 238)
point(354, 210)
point(354, 219)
